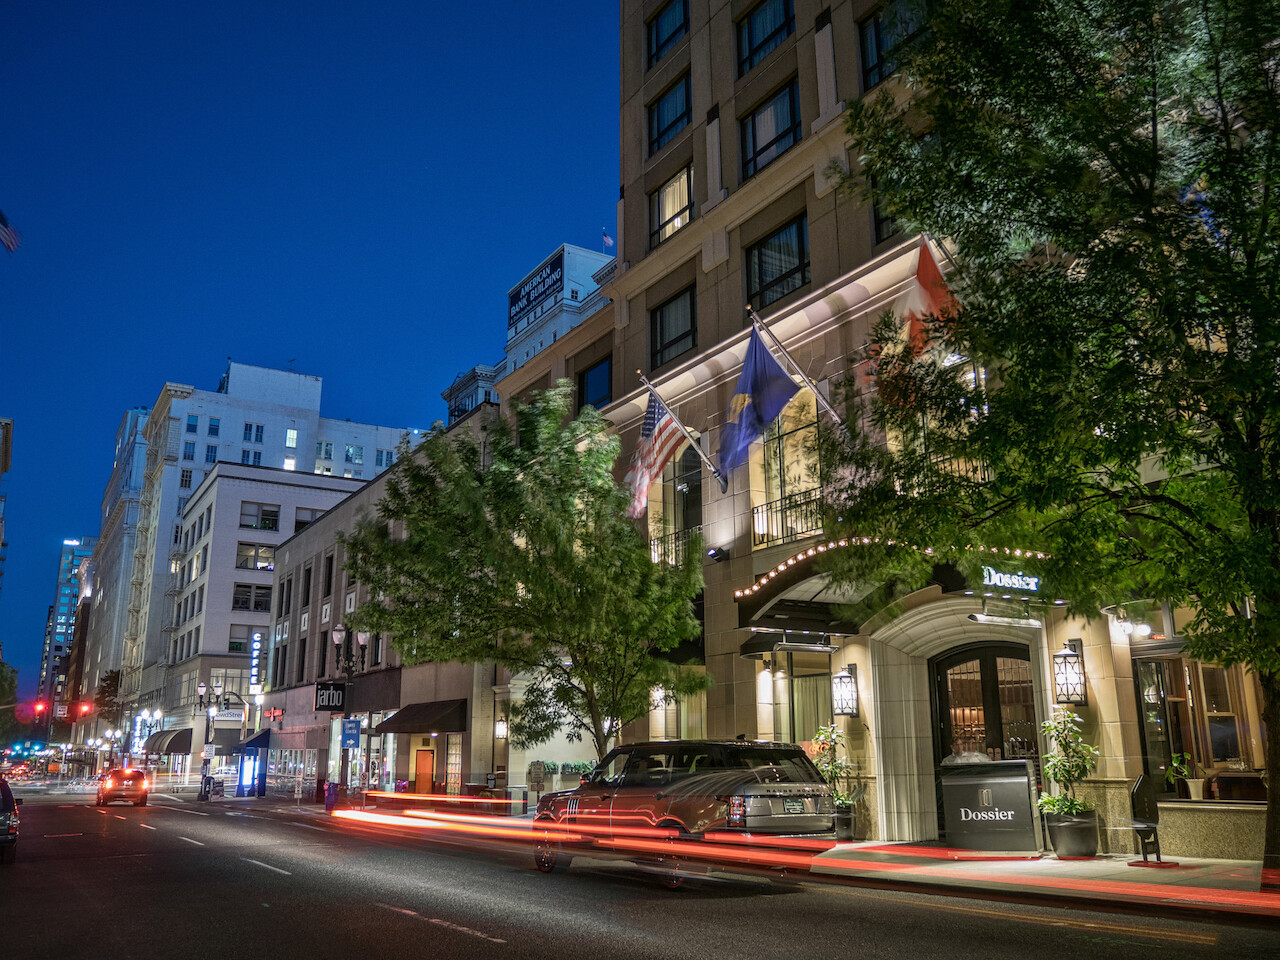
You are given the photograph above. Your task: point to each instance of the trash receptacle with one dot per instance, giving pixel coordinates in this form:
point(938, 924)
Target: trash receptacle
point(330, 797)
point(206, 788)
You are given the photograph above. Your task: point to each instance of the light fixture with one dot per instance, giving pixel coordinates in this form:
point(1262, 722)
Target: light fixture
point(844, 692)
point(718, 554)
point(500, 728)
point(1006, 621)
point(1068, 674)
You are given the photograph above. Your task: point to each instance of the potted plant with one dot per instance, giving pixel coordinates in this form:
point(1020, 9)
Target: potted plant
point(1182, 767)
point(836, 770)
point(1072, 822)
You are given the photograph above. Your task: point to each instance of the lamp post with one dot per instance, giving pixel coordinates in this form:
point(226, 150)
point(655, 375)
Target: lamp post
point(344, 661)
point(211, 711)
point(112, 738)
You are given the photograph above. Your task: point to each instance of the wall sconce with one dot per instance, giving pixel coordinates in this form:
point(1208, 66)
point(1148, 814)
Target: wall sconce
point(718, 554)
point(1068, 674)
point(500, 728)
point(844, 692)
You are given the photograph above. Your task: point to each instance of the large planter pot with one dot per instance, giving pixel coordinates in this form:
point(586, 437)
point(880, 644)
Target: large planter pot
point(844, 823)
point(1073, 835)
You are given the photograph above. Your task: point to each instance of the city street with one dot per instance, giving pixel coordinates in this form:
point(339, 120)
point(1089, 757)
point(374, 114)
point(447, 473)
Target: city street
point(225, 880)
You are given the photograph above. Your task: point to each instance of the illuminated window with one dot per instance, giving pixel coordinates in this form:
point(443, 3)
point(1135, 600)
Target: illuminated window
point(671, 206)
point(778, 264)
point(291, 438)
point(291, 463)
point(770, 130)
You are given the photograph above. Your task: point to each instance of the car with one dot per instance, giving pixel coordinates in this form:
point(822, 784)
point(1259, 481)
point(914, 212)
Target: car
point(691, 787)
point(123, 784)
point(8, 823)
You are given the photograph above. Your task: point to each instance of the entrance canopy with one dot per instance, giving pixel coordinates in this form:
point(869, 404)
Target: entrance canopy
point(259, 740)
point(179, 741)
point(431, 716)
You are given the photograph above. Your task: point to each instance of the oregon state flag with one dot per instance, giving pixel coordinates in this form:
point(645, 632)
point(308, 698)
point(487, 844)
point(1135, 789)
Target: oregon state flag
point(764, 388)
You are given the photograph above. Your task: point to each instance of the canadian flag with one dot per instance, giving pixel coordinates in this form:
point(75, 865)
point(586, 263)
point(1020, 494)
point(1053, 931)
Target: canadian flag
point(927, 296)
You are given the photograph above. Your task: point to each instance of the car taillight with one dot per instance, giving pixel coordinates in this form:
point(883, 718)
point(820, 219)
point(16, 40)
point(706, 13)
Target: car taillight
point(144, 784)
point(737, 812)
point(109, 784)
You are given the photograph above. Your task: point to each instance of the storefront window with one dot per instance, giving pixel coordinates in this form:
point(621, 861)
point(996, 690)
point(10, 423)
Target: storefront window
point(801, 696)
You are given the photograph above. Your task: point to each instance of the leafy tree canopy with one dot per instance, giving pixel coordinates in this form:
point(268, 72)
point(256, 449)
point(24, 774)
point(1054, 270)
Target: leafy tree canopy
point(1105, 175)
point(512, 547)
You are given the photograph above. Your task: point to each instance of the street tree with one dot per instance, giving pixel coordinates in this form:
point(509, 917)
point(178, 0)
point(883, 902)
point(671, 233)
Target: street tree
point(512, 546)
point(106, 698)
point(1104, 385)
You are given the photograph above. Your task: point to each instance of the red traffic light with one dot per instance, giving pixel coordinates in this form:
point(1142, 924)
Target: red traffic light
point(84, 708)
point(40, 706)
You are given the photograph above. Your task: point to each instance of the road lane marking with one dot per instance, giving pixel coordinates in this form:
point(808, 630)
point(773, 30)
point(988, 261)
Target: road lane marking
point(448, 925)
point(268, 866)
point(197, 813)
point(118, 817)
point(48, 835)
point(189, 840)
point(146, 826)
point(309, 826)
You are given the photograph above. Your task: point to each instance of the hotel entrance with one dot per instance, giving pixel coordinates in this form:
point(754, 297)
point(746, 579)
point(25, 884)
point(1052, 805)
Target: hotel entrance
point(984, 706)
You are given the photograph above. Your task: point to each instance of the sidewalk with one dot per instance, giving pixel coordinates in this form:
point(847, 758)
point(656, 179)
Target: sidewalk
point(1181, 885)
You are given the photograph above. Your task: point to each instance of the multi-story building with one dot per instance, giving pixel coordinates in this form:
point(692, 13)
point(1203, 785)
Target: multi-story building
point(730, 130)
point(222, 573)
point(256, 417)
point(61, 627)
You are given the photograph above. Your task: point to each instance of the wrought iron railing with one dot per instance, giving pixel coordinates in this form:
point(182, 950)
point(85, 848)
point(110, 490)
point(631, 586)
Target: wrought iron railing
point(790, 518)
point(672, 547)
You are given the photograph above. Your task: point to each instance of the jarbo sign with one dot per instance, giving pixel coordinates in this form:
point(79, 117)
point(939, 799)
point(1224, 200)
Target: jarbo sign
point(331, 696)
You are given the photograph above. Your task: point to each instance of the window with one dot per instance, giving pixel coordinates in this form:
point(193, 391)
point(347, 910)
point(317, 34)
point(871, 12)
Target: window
point(184, 480)
point(304, 516)
point(286, 597)
point(669, 114)
point(762, 30)
point(215, 424)
point(248, 433)
point(885, 225)
point(262, 516)
point(595, 384)
point(244, 456)
point(253, 432)
point(200, 599)
point(204, 559)
point(302, 658)
point(306, 588)
point(255, 556)
point(291, 438)
point(671, 23)
point(881, 34)
point(386, 458)
point(328, 576)
point(189, 450)
point(673, 328)
point(770, 130)
point(257, 458)
point(354, 454)
point(193, 423)
point(291, 463)
point(778, 264)
point(251, 596)
point(671, 206)
point(210, 453)
point(324, 450)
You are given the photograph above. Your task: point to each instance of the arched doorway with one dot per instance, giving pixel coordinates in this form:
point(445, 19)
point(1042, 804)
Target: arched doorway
point(984, 702)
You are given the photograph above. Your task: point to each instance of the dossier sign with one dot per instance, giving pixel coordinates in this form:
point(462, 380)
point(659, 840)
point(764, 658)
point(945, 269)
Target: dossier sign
point(543, 284)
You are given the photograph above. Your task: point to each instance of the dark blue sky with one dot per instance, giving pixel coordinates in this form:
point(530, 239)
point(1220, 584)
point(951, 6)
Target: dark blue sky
point(351, 187)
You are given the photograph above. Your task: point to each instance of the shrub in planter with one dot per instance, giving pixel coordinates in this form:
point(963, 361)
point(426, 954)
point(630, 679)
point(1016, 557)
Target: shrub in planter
point(836, 770)
point(1072, 822)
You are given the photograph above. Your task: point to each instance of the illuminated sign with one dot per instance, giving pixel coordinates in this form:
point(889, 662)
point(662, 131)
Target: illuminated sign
point(330, 696)
point(1009, 581)
point(543, 284)
point(255, 658)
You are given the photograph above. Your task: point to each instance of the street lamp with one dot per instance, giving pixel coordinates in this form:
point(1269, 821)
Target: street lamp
point(211, 711)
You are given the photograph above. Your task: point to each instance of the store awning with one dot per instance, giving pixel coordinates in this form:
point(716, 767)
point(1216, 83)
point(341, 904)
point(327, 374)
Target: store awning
point(179, 741)
point(432, 716)
point(259, 740)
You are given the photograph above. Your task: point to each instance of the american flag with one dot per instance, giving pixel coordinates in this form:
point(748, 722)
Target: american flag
point(660, 437)
point(8, 236)
point(608, 240)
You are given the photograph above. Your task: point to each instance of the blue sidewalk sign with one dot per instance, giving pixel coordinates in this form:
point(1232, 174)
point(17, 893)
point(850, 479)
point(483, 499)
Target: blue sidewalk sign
point(350, 733)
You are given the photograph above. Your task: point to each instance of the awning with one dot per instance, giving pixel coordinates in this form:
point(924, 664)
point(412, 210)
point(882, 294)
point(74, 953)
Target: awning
point(433, 716)
point(259, 740)
point(179, 741)
point(762, 643)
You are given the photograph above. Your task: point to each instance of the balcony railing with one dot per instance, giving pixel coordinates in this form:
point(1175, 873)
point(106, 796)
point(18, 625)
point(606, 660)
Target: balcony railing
point(791, 518)
point(671, 548)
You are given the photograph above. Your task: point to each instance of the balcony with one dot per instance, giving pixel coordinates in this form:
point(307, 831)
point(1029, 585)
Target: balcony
point(791, 518)
point(671, 548)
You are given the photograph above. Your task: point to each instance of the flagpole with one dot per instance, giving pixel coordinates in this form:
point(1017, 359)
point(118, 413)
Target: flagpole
point(821, 400)
point(715, 472)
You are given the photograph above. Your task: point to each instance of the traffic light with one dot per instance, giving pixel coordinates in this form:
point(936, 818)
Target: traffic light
point(85, 708)
point(41, 706)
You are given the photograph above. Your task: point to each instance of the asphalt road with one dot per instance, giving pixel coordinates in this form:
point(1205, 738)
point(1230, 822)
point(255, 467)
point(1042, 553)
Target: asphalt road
point(188, 880)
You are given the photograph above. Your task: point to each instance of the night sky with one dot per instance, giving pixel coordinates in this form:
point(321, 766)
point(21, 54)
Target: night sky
point(343, 188)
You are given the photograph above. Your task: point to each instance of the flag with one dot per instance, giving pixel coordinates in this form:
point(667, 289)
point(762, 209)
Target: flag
point(927, 296)
point(608, 240)
point(660, 437)
point(764, 388)
point(8, 236)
